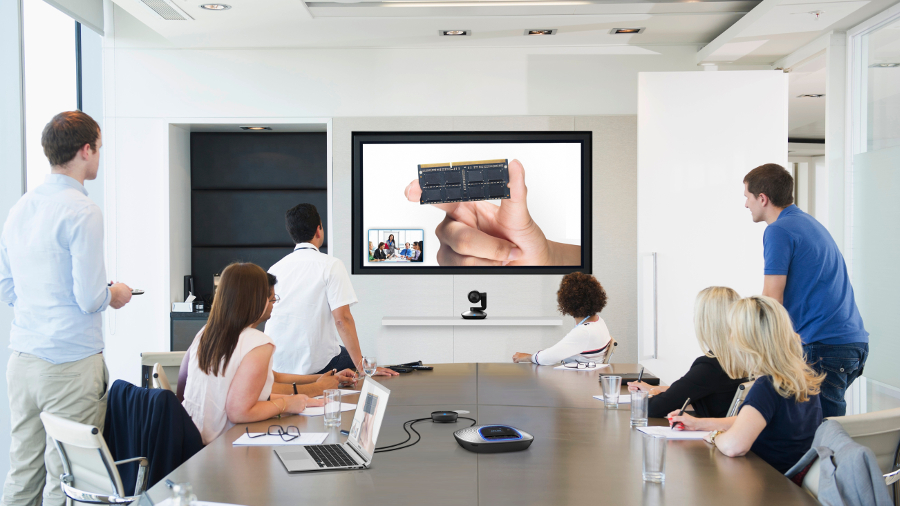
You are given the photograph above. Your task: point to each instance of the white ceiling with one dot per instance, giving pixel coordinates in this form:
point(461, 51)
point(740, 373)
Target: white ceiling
point(806, 116)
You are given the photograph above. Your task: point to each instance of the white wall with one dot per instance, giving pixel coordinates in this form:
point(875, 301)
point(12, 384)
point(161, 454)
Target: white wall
point(150, 85)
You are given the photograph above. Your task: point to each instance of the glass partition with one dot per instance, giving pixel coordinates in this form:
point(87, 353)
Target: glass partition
point(875, 177)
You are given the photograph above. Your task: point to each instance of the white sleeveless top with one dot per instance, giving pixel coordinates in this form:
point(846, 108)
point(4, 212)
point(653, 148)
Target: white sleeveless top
point(205, 395)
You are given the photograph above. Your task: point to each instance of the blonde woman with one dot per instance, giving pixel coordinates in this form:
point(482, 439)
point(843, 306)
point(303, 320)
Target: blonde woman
point(781, 413)
point(706, 383)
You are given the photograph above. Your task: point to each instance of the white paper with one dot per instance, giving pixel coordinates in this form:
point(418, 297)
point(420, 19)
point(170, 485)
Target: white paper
point(564, 368)
point(623, 399)
point(320, 410)
point(674, 434)
point(168, 502)
point(306, 438)
point(343, 393)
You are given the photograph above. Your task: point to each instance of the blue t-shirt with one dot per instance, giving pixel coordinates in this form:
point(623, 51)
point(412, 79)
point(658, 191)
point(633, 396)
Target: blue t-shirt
point(817, 295)
point(790, 425)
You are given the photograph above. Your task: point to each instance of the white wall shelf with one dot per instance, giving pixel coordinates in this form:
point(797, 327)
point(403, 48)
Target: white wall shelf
point(508, 321)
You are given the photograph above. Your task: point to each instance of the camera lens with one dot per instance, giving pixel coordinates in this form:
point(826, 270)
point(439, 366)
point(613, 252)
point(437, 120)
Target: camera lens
point(474, 296)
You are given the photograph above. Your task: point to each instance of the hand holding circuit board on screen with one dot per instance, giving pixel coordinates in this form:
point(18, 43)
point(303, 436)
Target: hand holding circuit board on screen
point(484, 234)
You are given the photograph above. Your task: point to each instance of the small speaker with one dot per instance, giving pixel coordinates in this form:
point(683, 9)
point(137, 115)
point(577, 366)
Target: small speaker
point(493, 439)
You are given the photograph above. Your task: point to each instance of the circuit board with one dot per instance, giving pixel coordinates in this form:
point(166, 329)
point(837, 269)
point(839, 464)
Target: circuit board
point(464, 181)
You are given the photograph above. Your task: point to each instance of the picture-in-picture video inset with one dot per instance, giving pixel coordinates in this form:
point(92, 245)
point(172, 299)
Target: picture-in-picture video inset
point(396, 246)
point(514, 204)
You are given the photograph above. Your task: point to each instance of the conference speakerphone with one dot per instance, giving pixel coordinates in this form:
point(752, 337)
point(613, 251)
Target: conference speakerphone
point(464, 181)
point(493, 439)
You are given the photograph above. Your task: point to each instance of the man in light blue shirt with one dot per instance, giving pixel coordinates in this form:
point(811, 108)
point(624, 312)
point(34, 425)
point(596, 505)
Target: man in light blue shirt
point(53, 276)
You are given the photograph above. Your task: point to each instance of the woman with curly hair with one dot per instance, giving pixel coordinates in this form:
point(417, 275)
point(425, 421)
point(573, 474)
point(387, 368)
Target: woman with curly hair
point(580, 296)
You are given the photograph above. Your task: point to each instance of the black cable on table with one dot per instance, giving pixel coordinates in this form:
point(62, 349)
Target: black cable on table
point(398, 446)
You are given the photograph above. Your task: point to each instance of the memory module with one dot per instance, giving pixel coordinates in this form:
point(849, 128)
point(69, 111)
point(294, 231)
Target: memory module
point(463, 181)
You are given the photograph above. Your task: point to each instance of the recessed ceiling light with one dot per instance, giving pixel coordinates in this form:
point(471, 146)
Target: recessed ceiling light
point(707, 64)
point(541, 32)
point(255, 128)
point(626, 31)
point(454, 33)
point(215, 7)
point(884, 65)
point(811, 95)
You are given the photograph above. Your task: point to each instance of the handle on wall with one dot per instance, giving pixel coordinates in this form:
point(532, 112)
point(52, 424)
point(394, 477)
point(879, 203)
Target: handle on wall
point(650, 349)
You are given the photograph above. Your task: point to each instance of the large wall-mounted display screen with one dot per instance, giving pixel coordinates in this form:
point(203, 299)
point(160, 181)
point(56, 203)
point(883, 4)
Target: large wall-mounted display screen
point(471, 202)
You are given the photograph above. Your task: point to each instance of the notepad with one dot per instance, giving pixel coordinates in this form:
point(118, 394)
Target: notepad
point(623, 399)
point(306, 438)
point(320, 410)
point(674, 434)
point(168, 502)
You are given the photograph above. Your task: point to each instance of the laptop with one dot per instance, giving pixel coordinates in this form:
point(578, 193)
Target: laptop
point(357, 452)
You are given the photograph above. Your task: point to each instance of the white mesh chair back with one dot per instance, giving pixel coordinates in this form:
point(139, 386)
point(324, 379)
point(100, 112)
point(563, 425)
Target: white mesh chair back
point(738, 399)
point(159, 380)
point(85, 456)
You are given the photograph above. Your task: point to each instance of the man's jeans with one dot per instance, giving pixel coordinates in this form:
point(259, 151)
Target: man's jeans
point(841, 363)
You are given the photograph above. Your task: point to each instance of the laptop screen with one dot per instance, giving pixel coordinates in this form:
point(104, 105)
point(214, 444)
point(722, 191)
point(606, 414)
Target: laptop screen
point(367, 419)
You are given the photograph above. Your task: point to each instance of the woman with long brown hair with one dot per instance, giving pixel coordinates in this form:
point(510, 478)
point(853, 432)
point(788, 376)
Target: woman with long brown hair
point(230, 366)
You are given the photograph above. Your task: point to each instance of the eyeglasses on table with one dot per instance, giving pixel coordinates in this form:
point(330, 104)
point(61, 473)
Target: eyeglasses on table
point(580, 365)
point(290, 434)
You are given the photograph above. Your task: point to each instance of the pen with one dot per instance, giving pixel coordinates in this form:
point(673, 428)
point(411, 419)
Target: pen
point(640, 375)
point(345, 432)
point(170, 483)
point(681, 412)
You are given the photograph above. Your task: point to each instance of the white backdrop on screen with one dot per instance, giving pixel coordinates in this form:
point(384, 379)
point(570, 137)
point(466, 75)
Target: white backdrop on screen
point(552, 175)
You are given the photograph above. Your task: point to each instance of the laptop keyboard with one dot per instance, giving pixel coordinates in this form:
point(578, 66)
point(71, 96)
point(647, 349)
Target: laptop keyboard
point(330, 456)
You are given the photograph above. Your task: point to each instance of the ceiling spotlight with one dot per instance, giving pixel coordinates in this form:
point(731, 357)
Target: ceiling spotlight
point(811, 95)
point(884, 65)
point(215, 7)
point(255, 128)
point(541, 32)
point(454, 33)
point(626, 31)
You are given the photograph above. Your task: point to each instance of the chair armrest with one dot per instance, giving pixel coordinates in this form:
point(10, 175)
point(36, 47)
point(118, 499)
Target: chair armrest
point(141, 483)
point(136, 459)
point(892, 477)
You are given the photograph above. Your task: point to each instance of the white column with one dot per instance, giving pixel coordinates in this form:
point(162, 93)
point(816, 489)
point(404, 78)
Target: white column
point(835, 139)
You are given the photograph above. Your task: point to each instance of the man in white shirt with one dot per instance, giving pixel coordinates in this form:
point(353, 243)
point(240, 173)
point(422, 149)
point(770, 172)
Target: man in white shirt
point(52, 275)
point(314, 309)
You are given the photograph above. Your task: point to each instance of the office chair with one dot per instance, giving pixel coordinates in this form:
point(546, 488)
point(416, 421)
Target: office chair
point(880, 431)
point(159, 378)
point(612, 348)
point(739, 397)
point(89, 472)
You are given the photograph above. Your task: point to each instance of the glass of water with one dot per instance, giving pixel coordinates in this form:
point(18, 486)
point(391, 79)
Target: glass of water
point(370, 365)
point(611, 386)
point(332, 407)
point(640, 404)
point(654, 458)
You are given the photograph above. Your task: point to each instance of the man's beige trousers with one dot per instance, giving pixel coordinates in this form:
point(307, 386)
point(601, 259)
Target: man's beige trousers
point(75, 391)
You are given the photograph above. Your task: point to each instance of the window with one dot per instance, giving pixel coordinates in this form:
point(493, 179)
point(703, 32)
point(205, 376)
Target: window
point(50, 78)
point(875, 209)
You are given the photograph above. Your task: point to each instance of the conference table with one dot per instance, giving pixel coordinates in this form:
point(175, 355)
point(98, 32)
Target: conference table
point(581, 453)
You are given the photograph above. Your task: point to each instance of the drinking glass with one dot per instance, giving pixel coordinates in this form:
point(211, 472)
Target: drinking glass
point(332, 408)
point(611, 386)
point(369, 365)
point(654, 458)
point(182, 494)
point(640, 403)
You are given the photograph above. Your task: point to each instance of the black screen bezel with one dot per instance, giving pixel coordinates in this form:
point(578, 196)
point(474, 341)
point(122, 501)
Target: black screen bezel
point(360, 138)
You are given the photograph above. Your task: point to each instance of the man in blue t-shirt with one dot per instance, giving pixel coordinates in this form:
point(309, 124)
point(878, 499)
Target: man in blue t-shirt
point(407, 252)
point(805, 271)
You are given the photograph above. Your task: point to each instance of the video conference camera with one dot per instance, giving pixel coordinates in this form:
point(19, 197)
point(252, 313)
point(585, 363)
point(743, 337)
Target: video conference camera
point(476, 313)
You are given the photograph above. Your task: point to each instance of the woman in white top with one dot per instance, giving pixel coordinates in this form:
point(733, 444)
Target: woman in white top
point(230, 366)
point(581, 296)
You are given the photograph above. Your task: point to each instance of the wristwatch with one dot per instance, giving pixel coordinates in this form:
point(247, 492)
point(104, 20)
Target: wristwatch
point(712, 436)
